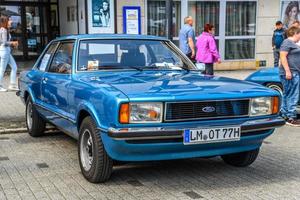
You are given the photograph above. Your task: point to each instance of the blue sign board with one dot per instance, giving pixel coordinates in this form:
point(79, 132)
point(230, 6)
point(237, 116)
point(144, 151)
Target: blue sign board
point(132, 20)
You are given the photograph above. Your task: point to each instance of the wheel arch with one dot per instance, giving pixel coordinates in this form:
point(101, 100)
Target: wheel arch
point(29, 93)
point(81, 116)
point(272, 82)
point(84, 112)
point(26, 95)
point(275, 86)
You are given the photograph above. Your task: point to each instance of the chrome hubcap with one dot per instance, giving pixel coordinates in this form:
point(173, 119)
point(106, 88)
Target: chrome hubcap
point(86, 150)
point(277, 88)
point(29, 115)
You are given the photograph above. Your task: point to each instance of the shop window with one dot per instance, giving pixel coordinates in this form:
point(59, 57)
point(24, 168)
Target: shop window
point(204, 12)
point(239, 49)
point(240, 30)
point(157, 18)
point(54, 20)
point(240, 18)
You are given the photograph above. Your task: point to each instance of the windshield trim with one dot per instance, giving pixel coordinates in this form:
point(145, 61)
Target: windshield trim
point(166, 41)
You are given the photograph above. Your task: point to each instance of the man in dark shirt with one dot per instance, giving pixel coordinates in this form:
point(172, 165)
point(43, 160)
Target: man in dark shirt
point(277, 39)
point(290, 76)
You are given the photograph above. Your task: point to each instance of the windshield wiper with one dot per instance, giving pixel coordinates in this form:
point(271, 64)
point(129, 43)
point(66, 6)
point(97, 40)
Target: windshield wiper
point(103, 67)
point(151, 67)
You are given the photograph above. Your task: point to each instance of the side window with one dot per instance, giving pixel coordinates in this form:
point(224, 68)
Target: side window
point(43, 63)
point(62, 60)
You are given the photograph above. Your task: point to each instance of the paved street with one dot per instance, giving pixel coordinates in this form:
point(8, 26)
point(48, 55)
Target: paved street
point(47, 168)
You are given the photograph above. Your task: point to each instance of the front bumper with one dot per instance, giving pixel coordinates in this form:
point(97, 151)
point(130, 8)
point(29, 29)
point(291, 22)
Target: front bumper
point(166, 143)
point(247, 128)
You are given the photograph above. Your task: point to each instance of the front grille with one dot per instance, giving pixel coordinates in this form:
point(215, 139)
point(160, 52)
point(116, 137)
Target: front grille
point(206, 110)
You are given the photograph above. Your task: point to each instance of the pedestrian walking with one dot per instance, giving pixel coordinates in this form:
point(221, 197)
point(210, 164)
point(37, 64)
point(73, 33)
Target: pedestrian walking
point(290, 75)
point(187, 38)
point(5, 54)
point(277, 39)
point(207, 51)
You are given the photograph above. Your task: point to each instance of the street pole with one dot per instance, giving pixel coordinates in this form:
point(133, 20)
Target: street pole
point(169, 15)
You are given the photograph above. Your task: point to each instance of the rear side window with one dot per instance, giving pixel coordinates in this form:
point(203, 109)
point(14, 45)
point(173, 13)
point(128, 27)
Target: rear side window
point(62, 59)
point(44, 62)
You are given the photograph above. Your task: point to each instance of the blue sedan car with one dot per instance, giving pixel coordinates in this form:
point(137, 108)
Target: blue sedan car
point(138, 98)
point(268, 77)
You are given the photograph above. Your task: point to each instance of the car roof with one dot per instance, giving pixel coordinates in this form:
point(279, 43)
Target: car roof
point(110, 36)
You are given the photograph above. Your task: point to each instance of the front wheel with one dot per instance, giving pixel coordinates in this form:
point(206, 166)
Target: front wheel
point(96, 166)
point(242, 159)
point(275, 86)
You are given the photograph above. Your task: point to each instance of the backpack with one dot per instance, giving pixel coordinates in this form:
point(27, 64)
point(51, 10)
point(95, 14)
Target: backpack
point(278, 38)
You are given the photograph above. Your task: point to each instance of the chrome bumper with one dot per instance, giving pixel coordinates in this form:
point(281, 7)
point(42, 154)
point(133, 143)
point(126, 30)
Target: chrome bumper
point(175, 132)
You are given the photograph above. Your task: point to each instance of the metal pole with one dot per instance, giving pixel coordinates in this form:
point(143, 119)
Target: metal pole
point(169, 15)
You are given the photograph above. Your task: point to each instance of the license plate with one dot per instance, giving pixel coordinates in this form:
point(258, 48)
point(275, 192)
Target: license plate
point(211, 135)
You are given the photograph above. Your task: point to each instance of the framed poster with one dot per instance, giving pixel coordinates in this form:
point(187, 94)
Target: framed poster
point(132, 20)
point(101, 16)
point(289, 12)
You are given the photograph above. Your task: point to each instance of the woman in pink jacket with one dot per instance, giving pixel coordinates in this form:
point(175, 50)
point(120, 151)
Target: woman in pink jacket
point(207, 51)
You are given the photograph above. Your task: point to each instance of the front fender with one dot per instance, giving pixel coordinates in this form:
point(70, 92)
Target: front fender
point(88, 107)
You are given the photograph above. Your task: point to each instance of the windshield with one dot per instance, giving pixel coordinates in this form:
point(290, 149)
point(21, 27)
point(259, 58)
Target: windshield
point(129, 54)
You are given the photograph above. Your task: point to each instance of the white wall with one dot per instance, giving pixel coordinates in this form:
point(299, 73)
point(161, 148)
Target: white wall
point(66, 27)
point(268, 14)
point(81, 17)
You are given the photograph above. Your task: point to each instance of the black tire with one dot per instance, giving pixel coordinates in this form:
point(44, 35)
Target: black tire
point(100, 168)
point(242, 159)
point(37, 125)
point(275, 86)
point(119, 163)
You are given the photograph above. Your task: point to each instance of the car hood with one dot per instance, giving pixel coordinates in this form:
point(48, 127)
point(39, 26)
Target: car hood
point(180, 85)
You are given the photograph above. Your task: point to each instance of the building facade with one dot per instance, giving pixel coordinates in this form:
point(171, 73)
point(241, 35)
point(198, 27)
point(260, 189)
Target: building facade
point(243, 28)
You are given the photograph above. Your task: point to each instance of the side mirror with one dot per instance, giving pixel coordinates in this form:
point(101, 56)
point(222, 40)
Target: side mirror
point(200, 66)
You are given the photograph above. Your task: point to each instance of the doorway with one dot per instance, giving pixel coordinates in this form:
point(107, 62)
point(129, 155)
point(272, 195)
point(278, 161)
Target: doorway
point(34, 25)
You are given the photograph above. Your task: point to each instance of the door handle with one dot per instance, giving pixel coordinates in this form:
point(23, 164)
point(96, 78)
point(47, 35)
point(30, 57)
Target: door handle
point(44, 80)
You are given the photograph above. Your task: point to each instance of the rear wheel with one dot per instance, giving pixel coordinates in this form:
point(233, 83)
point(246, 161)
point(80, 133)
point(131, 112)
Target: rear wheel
point(275, 86)
point(242, 159)
point(34, 122)
point(96, 166)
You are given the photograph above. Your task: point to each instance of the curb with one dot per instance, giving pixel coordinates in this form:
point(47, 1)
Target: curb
point(23, 130)
point(12, 130)
point(9, 126)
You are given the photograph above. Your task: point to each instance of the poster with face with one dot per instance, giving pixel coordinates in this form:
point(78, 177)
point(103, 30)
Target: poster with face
point(289, 12)
point(101, 17)
point(101, 13)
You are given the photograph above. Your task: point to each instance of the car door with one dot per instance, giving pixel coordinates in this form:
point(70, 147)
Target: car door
point(56, 81)
point(39, 69)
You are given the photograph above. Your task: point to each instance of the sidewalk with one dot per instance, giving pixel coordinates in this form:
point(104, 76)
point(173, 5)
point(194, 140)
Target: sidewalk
point(12, 109)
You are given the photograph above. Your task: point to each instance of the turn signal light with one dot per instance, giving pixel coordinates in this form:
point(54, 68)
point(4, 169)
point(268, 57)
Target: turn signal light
point(275, 105)
point(152, 114)
point(124, 114)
